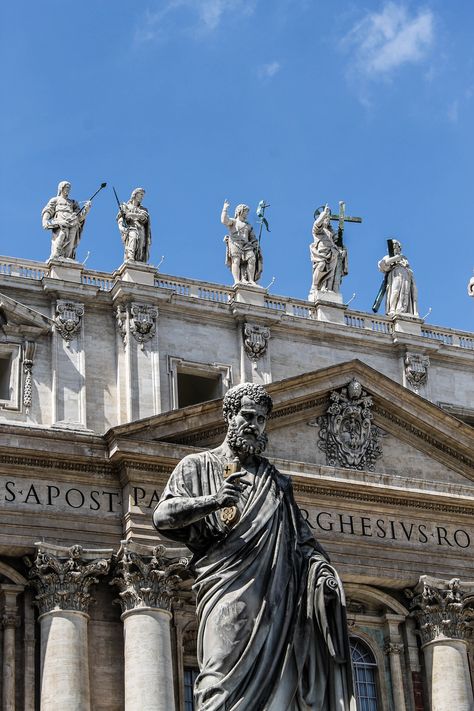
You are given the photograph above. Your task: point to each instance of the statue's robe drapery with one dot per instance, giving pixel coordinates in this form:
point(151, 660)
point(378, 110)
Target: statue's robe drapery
point(271, 610)
point(64, 240)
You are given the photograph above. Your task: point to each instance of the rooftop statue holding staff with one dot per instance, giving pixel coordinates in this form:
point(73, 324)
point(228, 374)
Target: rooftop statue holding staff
point(398, 284)
point(65, 218)
point(134, 224)
point(243, 253)
point(271, 609)
point(328, 252)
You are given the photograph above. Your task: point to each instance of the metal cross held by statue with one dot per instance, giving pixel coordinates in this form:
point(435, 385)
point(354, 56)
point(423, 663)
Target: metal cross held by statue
point(341, 218)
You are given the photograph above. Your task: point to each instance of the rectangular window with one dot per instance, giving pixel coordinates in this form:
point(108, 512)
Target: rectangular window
point(5, 375)
point(189, 679)
point(198, 388)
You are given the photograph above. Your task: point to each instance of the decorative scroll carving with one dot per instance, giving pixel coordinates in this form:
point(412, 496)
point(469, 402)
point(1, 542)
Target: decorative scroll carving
point(147, 577)
point(347, 433)
point(68, 319)
point(143, 321)
point(442, 608)
point(416, 370)
point(28, 358)
point(255, 340)
point(62, 578)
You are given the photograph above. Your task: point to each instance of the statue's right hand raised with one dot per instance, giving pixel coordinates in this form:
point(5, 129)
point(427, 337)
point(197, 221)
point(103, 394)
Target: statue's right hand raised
point(229, 493)
point(226, 204)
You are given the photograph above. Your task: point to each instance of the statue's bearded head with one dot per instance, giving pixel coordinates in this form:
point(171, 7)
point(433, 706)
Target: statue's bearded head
point(246, 409)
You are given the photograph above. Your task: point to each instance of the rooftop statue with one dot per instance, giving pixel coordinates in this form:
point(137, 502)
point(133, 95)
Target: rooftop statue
point(328, 252)
point(470, 286)
point(65, 218)
point(328, 259)
point(243, 253)
point(134, 225)
point(271, 609)
point(399, 283)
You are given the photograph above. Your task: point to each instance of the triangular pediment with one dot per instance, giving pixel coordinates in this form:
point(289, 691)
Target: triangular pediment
point(17, 318)
point(418, 439)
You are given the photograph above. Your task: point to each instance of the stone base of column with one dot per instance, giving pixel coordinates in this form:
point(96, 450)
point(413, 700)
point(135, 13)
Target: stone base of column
point(404, 323)
point(448, 677)
point(251, 294)
point(148, 660)
point(64, 661)
point(65, 269)
point(328, 306)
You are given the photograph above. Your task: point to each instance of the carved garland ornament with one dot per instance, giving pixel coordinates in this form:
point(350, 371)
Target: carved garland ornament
point(148, 581)
point(28, 359)
point(255, 340)
point(347, 433)
point(68, 319)
point(63, 582)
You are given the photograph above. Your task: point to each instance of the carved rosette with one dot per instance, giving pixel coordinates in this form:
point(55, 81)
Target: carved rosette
point(416, 370)
point(150, 579)
point(347, 433)
point(443, 609)
point(28, 358)
point(255, 340)
point(62, 578)
point(143, 321)
point(68, 319)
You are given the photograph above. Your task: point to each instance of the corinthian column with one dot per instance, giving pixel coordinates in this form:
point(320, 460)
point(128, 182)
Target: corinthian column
point(10, 621)
point(147, 579)
point(441, 608)
point(62, 577)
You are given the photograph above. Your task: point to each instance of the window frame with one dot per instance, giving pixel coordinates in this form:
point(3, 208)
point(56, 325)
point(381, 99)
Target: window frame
point(178, 365)
point(14, 351)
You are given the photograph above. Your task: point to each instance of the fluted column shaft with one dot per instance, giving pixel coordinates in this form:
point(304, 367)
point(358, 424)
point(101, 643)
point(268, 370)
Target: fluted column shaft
point(62, 577)
point(147, 580)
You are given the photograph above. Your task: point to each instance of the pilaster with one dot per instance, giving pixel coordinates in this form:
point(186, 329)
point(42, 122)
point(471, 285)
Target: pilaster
point(69, 376)
point(255, 353)
point(9, 621)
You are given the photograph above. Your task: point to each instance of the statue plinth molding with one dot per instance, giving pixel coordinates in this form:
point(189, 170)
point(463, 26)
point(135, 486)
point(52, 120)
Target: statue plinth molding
point(328, 306)
point(136, 273)
point(404, 323)
point(251, 294)
point(66, 270)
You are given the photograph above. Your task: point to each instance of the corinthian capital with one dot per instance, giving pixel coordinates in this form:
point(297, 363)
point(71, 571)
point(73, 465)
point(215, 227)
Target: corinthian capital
point(443, 608)
point(148, 577)
point(62, 576)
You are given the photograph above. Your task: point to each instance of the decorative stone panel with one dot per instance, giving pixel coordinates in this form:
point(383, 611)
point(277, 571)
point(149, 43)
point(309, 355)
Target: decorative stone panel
point(68, 319)
point(255, 340)
point(28, 359)
point(143, 321)
point(416, 370)
point(347, 433)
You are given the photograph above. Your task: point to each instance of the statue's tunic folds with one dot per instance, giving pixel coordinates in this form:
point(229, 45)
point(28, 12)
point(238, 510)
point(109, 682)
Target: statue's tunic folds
point(271, 610)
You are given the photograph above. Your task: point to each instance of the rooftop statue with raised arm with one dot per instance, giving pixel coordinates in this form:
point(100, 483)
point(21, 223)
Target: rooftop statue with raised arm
point(65, 218)
point(329, 260)
point(243, 253)
point(271, 609)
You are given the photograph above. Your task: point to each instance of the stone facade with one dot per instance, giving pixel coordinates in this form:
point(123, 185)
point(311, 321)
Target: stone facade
point(108, 380)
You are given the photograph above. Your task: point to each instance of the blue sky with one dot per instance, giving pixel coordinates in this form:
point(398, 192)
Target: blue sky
point(300, 102)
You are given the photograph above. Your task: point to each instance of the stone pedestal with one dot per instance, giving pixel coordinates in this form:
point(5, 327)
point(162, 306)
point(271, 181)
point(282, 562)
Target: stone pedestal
point(62, 577)
point(66, 270)
point(328, 306)
point(136, 273)
point(442, 608)
point(148, 660)
point(147, 579)
point(404, 323)
point(253, 295)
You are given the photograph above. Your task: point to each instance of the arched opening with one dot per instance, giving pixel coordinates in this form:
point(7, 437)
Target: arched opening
point(364, 669)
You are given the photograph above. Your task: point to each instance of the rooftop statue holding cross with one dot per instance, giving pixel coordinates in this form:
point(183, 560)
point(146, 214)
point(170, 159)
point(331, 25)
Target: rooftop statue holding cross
point(328, 252)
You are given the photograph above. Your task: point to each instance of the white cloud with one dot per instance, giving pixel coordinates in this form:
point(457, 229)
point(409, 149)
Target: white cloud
point(196, 16)
point(267, 71)
point(384, 41)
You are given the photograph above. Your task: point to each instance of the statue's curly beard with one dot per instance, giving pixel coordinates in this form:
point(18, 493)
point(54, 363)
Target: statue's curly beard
point(240, 443)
